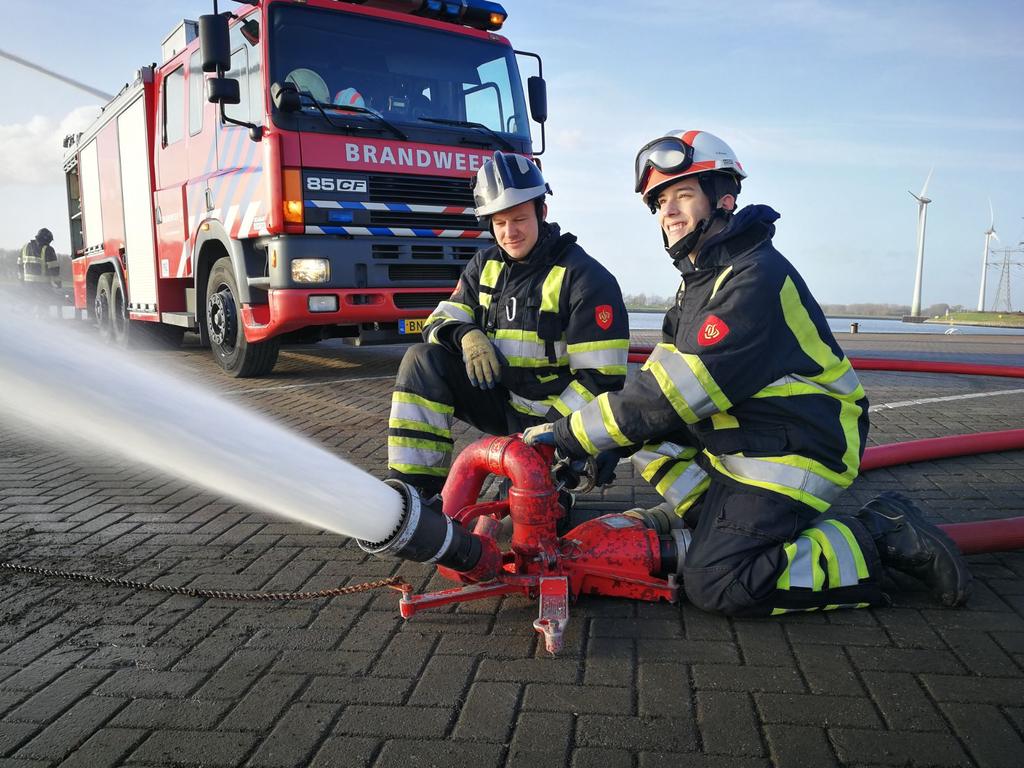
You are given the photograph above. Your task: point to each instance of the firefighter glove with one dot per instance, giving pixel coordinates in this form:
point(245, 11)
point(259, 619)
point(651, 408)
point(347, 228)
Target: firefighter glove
point(542, 434)
point(482, 364)
point(605, 464)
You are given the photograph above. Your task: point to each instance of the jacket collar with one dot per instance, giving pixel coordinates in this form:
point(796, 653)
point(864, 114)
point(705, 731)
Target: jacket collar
point(748, 228)
point(551, 243)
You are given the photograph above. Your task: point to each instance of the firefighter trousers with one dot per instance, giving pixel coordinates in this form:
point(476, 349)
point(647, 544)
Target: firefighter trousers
point(753, 552)
point(431, 391)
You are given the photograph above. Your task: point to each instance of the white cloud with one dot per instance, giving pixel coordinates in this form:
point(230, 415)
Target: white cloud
point(32, 152)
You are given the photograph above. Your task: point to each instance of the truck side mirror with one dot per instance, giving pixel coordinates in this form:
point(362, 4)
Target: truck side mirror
point(215, 42)
point(223, 90)
point(538, 90)
point(285, 97)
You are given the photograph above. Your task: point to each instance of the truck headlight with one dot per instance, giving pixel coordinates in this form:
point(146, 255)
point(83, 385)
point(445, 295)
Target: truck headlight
point(311, 270)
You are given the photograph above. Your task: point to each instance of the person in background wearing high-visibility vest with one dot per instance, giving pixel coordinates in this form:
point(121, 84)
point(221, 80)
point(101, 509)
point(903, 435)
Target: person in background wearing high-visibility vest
point(39, 269)
point(535, 329)
point(748, 418)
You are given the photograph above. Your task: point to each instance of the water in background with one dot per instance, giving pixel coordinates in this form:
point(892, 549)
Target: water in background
point(651, 321)
point(78, 393)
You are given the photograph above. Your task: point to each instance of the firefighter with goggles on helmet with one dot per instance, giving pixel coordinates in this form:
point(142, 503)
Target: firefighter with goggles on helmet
point(535, 329)
point(748, 418)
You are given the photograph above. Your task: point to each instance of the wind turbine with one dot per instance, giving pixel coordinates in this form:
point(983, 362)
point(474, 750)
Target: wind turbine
point(922, 218)
point(989, 234)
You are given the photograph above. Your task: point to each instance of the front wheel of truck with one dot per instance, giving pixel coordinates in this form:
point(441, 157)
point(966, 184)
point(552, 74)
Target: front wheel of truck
point(238, 357)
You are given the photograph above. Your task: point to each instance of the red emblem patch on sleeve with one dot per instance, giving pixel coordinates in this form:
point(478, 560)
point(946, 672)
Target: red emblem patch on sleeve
point(603, 316)
point(712, 332)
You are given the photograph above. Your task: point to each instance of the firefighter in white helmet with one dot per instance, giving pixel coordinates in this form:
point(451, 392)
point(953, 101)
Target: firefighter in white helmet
point(535, 329)
point(748, 418)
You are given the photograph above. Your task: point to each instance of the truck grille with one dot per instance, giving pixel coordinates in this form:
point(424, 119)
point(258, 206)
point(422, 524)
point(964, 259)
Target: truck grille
point(419, 300)
point(398, 272)
point(460, 253)
point(424, 190)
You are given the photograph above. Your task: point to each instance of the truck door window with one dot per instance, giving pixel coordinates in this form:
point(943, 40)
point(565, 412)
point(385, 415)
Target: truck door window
point(196, 85)
point(240, 72)
point(174, 106)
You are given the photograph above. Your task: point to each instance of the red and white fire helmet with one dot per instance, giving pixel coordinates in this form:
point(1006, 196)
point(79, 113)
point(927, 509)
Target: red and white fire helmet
point(678, 154)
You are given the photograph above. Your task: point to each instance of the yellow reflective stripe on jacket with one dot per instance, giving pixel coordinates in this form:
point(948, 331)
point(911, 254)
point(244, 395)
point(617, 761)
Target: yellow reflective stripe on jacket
point(525, 349)
point(683, 485)
point(573, 397)
point(445, 313)
point(837, 374)
point(718, 283)
point(451, 310)
point(724, 421)
point(489, 279)
point(552, 289)
point(690, 379)
point(607, 356)
point(595, 427)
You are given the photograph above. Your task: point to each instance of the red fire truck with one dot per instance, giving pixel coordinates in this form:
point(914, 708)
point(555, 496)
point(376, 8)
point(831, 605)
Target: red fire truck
point(294, 171)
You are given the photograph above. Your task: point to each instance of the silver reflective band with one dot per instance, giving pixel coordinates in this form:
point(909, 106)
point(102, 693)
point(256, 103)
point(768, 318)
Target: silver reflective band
point(686, 381)
point(781, 474)
point(598, 359)
point(684, 485)
point(451, 311)
point(536, 407)
point(410, 412)
point(844, 557)
point(420, 457)
point(523, 348)
point(572, 399)
point(593, 425)
point(801, 570)
point(846, 384)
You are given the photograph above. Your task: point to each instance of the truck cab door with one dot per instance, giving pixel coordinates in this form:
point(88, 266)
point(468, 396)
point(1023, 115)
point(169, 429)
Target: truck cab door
point(171, 164)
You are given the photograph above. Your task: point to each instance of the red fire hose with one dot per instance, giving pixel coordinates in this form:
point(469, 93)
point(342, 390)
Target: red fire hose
point(971, 538)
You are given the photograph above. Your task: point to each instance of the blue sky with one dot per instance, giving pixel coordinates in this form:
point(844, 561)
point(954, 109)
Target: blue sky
point(836, 109)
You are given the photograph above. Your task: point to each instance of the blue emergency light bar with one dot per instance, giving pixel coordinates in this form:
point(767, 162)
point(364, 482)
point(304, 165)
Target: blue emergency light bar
point(479, 14)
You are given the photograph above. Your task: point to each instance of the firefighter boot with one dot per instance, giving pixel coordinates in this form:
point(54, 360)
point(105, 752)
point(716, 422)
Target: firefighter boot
point(910, 544)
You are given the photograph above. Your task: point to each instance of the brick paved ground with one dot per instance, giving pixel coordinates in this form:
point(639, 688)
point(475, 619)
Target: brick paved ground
point(92, 676)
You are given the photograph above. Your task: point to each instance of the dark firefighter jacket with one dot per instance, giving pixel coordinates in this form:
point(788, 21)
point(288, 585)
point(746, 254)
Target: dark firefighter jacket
point(750, 368)
point(38, 263)
point(557, 319)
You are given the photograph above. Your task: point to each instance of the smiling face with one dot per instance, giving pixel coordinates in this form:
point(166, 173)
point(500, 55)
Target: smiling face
point(681, 207)
point(517, 229)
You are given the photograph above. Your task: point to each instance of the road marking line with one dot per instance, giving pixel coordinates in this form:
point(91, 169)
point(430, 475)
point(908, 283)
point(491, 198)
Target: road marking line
point(924, 401)
point(301, 386)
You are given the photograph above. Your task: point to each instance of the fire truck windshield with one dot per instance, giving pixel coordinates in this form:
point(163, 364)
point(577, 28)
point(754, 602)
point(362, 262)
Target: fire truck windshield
point(408, 74)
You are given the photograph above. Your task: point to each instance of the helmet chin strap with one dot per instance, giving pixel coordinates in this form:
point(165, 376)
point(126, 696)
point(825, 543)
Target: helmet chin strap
point(682, 248)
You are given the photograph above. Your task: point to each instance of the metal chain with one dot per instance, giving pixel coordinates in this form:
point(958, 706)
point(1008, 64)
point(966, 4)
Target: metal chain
point(395, 582)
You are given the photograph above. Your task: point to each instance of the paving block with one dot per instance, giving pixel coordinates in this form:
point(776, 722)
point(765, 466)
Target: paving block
point(636, 733)
point(406, 753)
point(746, 678)
point(799, 746)
point(898, 748)
point(728, 724)
point(389, 722)
point(207, 748)
point(540, 738)
point(296, 736)
point(489, 712)
point(817, 710)
point(578, 699)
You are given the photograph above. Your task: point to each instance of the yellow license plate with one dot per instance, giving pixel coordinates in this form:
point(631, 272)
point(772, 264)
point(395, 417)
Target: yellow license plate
point(412, 326)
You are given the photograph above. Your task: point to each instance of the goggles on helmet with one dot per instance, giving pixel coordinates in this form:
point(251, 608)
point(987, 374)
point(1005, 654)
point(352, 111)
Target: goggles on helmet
point(668, 154)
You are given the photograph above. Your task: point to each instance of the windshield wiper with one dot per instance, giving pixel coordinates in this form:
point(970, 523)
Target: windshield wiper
point(505, 143)
point(321, 107)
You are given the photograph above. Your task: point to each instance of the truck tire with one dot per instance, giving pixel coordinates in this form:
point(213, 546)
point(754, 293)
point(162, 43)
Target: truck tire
point(103, 304)
point(238, 357)
point(139, 334)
